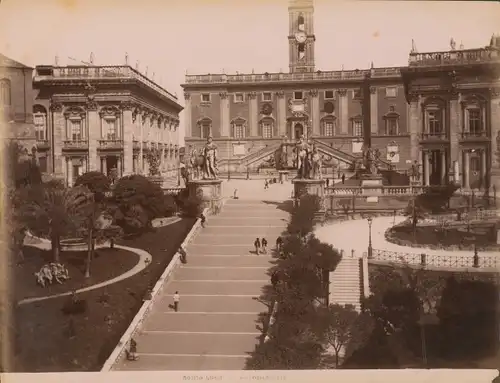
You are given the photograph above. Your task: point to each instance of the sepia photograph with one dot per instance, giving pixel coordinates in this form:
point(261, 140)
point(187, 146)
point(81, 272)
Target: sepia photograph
point(210, 186)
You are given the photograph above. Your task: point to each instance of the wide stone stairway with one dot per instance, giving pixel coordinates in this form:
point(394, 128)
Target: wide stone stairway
point(216, 327)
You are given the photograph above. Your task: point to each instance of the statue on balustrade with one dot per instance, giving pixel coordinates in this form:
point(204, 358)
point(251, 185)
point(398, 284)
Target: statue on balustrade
point(210, 169)
point(316, 164)
point(415, 171)
point(303, 158)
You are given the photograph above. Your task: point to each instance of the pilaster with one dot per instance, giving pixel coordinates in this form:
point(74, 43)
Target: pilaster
point(315, 112)
point(187, 115)
point(224, 114)
point(373, 110)
point(455, 125)
point(58, 132)
point(94, 134)
point(343, 112)
point(415, 126)
point(128, 140)
point(281, 113)
point(253, 114)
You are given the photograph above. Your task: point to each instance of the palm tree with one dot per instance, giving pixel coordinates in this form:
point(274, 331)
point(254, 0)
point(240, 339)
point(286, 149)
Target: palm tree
point(55, 208)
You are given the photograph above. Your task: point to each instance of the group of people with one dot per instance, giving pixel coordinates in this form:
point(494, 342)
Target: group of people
point(261, 245)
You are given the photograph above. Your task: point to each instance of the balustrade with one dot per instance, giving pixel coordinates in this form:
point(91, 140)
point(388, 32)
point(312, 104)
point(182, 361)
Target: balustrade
point(110, 144)
point(76, 144)
point(461, 57)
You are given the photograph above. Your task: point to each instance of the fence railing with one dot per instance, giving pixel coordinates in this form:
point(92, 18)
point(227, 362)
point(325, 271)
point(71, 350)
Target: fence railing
point(445, 261)
point(401, 190)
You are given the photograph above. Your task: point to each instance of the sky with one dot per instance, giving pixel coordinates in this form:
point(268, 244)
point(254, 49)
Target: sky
point(175, 37)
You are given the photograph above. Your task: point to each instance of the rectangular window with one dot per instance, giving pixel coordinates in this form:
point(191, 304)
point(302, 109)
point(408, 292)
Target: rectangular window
point(434, 120)
point(475, 121)
point(110, 129)
point(39, 122)
point(357, 128)
point(205, 130)
point(267, 96)
point(298, 95)
point(238, 131)
point(267, 130)
point(76, 130)
point(238, 97)
point(205, 97)
point(329, 128)
point(329, 94)
point(391, 91)
point(391, 127)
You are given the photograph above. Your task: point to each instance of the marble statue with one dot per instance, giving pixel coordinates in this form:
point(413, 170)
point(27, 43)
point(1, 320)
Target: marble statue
point(316, 164)
point(195, 165)
point(372, 158)
point(210, 169)
point(303, 161)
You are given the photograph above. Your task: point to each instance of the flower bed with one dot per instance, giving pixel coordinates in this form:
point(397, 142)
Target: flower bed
point(437, 237)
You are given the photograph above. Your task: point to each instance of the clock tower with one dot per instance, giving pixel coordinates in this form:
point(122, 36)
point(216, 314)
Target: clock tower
point(301, 36)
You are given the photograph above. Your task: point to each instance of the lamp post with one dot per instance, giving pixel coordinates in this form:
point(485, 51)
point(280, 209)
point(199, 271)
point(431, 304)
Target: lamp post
point(229, 162)
point(370, 248)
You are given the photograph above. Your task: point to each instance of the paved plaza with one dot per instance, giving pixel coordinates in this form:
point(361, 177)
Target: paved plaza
point(217, 325)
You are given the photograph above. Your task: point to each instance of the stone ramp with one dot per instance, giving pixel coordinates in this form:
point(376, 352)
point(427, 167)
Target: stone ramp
point(217, 325)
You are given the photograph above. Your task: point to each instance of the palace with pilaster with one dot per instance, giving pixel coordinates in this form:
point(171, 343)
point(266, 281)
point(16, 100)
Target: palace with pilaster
point(251, 115)
point(103, 118)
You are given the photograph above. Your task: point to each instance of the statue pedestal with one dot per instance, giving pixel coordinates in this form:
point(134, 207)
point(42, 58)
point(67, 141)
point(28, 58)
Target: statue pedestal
point(372, 185)
point(302, 187)
point(283, 175)
point(210, 191)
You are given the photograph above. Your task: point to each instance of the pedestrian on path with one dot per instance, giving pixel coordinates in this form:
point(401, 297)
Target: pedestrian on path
point(327, 182)
point(235, 194)
point(266, 184)
point(202, 220)
point(257, 246)
point(264, 246)
point(176, 301)
point(183, 254)
point(343, 178)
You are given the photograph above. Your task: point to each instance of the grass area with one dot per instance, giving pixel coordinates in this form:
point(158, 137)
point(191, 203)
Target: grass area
point(107, 264)
point(452, 238)
point(47, 340)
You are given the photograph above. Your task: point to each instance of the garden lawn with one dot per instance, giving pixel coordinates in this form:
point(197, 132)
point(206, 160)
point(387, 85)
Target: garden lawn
point(47, 342)
point(107, 264)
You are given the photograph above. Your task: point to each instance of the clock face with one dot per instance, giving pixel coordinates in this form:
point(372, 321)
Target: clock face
point(300, 37)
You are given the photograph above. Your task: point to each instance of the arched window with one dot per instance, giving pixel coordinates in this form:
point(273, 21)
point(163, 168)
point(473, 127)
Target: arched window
point(434, 110)
point(238, 128)
point(40, 122)
point(267, 127)
point(328, 124)
point(205, 126)
point(391, 120)
point(5, 92)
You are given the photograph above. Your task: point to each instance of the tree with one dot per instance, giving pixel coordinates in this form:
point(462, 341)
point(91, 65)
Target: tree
point(21, 167)
point(154, 161)
point(55, 210)
point(336, 327)
point(138, 202)
point(436, 198)
point(96, 182)
point(416, 212)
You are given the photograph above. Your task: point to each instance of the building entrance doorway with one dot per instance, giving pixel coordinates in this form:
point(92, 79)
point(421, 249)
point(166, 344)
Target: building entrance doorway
point(298, 131)
point(437, 167)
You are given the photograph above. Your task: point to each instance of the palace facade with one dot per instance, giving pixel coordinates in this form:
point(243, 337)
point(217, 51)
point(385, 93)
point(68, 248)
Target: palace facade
point(16, 103)
point(442, 110)
point(103, 118)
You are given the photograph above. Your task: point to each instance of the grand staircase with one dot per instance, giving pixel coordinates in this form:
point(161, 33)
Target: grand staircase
point(346, 282)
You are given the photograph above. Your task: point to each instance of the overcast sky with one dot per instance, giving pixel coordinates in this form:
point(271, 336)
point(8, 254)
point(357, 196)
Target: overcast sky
point(171, 37)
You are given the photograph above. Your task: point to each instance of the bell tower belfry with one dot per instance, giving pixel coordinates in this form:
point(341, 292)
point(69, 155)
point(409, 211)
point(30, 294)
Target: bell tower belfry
point(301, 35)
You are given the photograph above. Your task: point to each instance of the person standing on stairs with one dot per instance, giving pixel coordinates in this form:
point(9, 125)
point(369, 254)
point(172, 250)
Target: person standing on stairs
point(176, 301)
point(257, 246)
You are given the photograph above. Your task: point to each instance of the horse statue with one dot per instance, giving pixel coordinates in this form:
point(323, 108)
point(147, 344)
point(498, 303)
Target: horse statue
point(303, 165)
point(196, 162)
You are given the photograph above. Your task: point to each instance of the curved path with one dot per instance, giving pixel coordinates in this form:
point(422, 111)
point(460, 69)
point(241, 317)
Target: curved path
point(353, 235)
point(144, 260)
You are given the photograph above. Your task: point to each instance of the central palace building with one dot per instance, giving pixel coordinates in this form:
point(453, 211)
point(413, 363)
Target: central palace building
point(442, 111)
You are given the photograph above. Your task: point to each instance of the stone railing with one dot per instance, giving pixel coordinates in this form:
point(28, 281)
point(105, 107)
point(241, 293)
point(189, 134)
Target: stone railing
point(172, 191)
point(76, 144)
point(460, 57)
point(106, 72)
point(110, 144)
point(42, 144)
point(438, 261)
point(396, 190)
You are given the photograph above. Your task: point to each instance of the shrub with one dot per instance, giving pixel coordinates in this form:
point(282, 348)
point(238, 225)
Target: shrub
point(436, 198)
point(96, 182)
point(138, 202)
point(190, 206)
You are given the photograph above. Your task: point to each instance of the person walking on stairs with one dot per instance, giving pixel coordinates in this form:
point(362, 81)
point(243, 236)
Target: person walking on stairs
point(202, 220)
point(264, 246)
point(266, 184)
point(257, 246)
point(343, 178)
point(176, 301)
